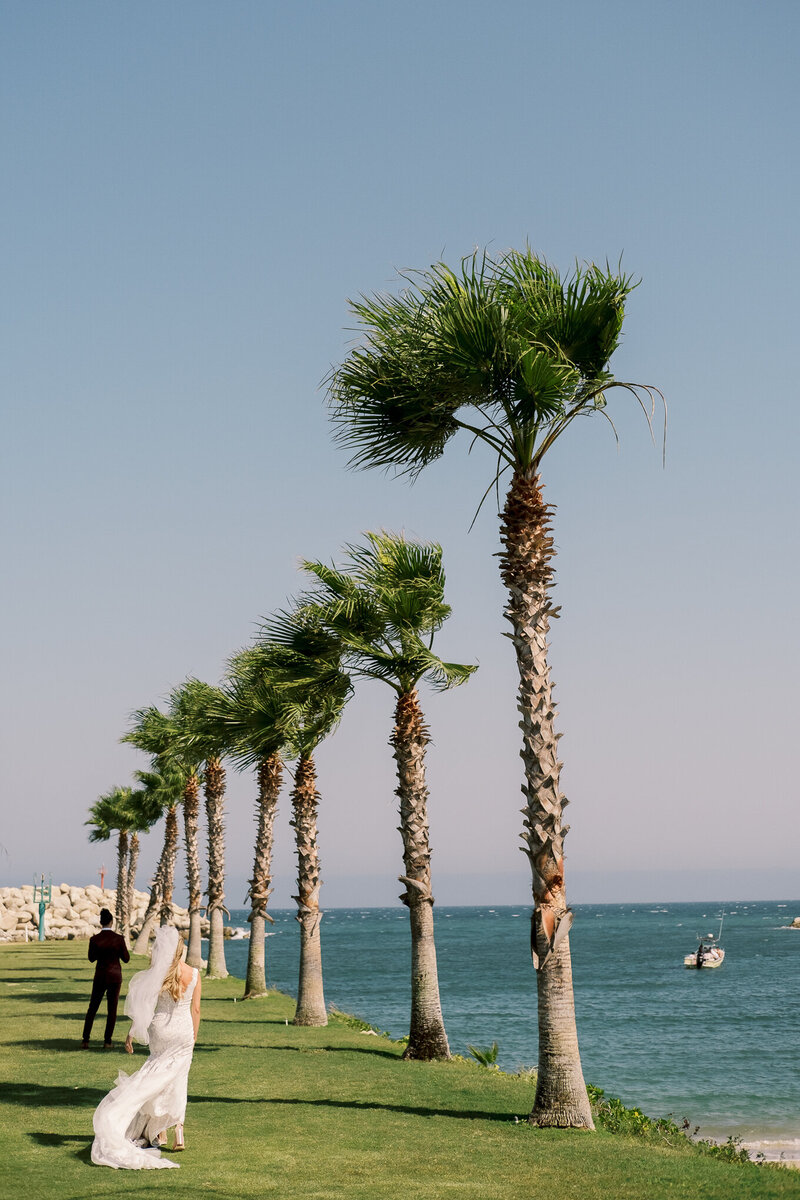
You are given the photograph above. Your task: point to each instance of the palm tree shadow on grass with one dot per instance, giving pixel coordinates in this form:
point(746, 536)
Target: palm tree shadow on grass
point(395, 1055)
point(361, 1106)
point(40, 1095)
point(51, 997)
point(14, 979)
point(236, 1021)
point(72, 1043)
point(58, 1141)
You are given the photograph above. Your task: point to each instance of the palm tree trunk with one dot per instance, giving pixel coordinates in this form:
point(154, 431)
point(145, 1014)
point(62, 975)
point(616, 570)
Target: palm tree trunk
point(526, 569)
point(215, 800)
point(142, 945)
point(310, 1008)
point(270, 774)
point(427, 1038)
point(122, 885)
point(133, 860)
point(169, 857)
point(191, 808)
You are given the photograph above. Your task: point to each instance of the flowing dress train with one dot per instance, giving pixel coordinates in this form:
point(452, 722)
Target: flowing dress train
point(143, 1105)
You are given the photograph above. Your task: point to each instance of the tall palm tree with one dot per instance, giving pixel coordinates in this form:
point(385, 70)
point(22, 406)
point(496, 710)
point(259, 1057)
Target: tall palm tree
point(142, 943)
point(254, 719)
point(190, 761)
point(511, 354)
point(303, 663)
point(158, 734)
point(199, 738)
point(385, 606)
point(109, 814)
point(143, 816)
point(163, 788)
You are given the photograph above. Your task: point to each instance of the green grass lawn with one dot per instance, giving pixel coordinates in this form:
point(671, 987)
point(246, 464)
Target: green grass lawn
point(311, 1114)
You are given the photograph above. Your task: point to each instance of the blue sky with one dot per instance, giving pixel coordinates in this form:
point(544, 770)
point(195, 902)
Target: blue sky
point(191, 192)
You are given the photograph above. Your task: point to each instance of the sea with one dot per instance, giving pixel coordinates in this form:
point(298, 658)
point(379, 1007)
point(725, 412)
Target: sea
point(718, 1047)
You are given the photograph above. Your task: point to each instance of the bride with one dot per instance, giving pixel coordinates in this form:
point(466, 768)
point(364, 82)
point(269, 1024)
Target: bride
point(163, 1003)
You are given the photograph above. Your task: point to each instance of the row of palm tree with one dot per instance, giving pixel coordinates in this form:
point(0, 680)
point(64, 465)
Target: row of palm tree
point(509, 353)
point(374, 618)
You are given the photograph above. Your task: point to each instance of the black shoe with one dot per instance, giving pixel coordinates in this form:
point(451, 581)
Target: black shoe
point(108, 1045)
point(84, 1045)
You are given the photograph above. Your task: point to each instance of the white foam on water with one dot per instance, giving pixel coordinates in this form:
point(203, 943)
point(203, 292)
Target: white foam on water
point(775, 1149)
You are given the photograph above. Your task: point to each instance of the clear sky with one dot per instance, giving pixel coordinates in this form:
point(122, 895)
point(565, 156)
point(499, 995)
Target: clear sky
point(190, 193)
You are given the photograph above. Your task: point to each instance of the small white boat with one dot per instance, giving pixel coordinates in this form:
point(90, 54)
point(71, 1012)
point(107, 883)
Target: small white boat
point(709, 954)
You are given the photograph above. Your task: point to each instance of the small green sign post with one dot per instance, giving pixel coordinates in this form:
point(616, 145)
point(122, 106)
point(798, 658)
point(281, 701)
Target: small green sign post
point(44, 891)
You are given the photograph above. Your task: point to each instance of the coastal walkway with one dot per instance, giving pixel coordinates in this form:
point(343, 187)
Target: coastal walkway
point(307, 1114)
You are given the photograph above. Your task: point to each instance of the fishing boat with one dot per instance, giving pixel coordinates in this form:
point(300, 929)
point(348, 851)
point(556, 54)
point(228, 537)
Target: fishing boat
point(709, 953)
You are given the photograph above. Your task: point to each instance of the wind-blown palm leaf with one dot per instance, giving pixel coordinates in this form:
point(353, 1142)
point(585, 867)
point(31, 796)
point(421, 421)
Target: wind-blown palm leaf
point(163, 787)
point(504, 349)
point(382, 609)
point(121, 810)
point(251, 714)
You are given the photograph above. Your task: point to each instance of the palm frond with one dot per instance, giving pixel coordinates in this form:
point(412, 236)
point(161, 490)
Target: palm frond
point(383, 612)
point(503, 348)
point(110, 813)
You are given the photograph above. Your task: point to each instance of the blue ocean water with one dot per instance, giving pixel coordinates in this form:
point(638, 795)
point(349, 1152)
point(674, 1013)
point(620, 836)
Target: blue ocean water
point(719, 1047)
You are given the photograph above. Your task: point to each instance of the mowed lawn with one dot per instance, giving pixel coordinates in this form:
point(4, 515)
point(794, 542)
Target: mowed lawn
point(305, 1114)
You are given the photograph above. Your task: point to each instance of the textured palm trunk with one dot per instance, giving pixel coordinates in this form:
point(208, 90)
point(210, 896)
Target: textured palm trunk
point(526, 569)
point(121, 915)
point(142, 945)
point(215, 802)
point(169, 858)
point(191, 809)
point(310, 996)
point(133, 862)
point(427, 1038)
point(270, 775)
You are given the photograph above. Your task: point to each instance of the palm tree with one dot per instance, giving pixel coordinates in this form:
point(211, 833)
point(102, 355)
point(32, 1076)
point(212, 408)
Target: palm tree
point(164, 787)
point(112, 813)
point(159, 734)
point(253, 719)
point(143, 816)
point(198, 738)
point(510, 353)
point(385, 606)
point(302, 662)
point(190, 761)
point(142, 943)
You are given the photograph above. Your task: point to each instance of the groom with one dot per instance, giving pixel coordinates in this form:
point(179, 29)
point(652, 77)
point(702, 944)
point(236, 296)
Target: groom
point(106, 949)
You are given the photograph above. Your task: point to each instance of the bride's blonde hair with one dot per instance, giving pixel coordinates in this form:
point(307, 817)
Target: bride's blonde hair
point(172, 979)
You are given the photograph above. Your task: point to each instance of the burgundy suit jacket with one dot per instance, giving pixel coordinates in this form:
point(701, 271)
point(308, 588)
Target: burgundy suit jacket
point(106, 949)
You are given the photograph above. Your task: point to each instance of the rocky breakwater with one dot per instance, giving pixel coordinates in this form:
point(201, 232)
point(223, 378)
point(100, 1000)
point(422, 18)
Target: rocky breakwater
point(73, 912)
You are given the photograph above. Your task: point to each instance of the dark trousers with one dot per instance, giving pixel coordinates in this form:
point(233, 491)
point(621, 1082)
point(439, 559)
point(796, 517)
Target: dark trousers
point(108, 986)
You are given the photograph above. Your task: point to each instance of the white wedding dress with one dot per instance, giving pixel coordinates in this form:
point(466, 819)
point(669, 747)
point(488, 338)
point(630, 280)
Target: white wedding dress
point(143, 1105)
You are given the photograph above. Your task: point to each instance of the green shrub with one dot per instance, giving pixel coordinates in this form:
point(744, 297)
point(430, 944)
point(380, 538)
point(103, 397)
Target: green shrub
point(611, 1114)
point(485, 1055)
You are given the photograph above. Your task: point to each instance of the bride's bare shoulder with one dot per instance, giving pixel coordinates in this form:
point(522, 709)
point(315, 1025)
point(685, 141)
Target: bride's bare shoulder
point(186, 974)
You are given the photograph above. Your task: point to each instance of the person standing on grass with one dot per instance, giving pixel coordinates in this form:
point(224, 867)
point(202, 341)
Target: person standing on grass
point(106, 949)
point(163, 1003)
